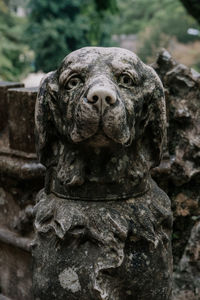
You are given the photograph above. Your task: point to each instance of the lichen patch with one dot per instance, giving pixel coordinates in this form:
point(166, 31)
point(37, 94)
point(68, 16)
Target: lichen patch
point(69, 280)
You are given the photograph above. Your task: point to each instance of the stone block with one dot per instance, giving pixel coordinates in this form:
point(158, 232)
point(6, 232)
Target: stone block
point(21, 105)
point(4, 86)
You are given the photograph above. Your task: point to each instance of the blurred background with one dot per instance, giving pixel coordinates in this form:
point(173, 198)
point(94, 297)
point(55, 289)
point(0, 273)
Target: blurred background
point(35, 35)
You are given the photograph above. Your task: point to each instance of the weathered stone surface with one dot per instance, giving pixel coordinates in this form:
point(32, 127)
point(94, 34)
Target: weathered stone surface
point(182, 91)
point(15, 258)
point(18, 188)
point(103, 226)
point(187, 279)
point(15, 272)
point(4, 86)
point(21, 106)
point(179, 171)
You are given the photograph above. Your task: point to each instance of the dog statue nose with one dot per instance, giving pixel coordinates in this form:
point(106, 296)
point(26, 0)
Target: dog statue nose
point(101, 94)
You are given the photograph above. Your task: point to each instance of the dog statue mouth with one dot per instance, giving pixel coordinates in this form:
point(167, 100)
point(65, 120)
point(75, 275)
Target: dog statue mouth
point(101, 139)
point(101, 131)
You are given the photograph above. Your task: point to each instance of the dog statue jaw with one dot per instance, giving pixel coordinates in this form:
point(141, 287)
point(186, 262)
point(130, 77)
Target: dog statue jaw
point(102, 225)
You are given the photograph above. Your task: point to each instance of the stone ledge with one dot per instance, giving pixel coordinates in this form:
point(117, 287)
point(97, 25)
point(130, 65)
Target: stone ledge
point(2, 297)
point(20, 168)
point(10, 238)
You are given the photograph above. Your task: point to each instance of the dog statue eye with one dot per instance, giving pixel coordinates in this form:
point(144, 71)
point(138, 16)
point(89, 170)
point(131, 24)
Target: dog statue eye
point(73, 82)
point(125, 80)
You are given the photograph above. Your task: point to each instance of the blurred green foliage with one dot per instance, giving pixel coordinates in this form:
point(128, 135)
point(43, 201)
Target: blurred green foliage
point(156, 22)
point(59, 27)
point(14, 52)
point(54, 28)
point(168, 16)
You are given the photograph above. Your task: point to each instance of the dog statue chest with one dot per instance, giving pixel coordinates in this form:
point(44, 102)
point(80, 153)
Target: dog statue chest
point(102, 224)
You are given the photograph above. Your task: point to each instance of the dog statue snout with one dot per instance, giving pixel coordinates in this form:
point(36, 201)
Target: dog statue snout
point(102, 96)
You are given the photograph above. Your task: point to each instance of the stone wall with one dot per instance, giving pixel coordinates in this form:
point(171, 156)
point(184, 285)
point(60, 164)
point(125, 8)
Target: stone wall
point(20, 179)
point(21, 176)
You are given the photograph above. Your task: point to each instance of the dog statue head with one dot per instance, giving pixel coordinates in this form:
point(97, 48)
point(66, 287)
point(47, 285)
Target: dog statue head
point(100, 124)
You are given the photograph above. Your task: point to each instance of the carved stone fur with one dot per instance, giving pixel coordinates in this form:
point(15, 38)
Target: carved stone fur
point(103, 226)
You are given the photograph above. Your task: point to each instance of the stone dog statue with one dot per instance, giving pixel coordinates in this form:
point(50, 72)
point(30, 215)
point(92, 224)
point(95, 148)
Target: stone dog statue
point(103, 226)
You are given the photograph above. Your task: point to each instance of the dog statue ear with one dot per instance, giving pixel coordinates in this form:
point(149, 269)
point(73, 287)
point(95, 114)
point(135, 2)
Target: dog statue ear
point(153, 124)
point(45, 111)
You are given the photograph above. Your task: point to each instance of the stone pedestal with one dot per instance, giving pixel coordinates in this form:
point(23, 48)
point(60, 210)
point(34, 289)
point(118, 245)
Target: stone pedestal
point(103, 249)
